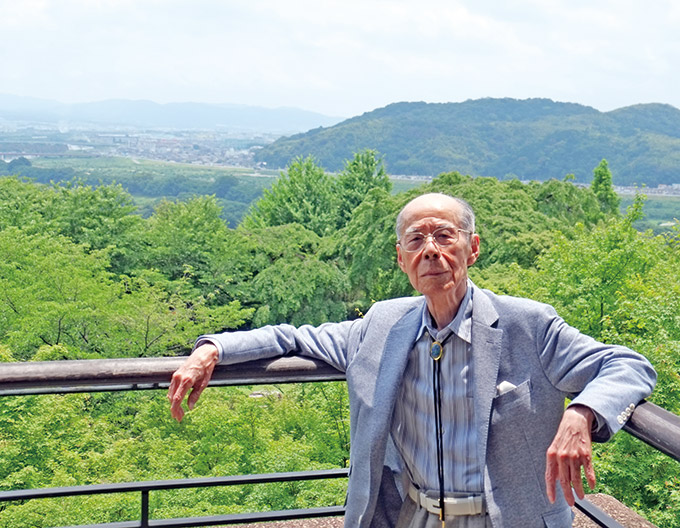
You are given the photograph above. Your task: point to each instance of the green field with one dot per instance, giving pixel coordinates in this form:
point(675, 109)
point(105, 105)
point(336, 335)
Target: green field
point(123, 168)
point(661, 212)
point(149, 181)
point(237, 187)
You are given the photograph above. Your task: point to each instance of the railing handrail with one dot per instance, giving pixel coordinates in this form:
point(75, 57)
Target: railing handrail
point(105, 375)
point(650, 423)
point(656, 427)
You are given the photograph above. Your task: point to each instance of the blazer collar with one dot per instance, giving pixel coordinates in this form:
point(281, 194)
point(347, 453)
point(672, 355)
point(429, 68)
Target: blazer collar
point(483, 311)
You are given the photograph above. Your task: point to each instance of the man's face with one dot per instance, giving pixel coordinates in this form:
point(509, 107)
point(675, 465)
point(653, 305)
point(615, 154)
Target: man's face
point(436, 271)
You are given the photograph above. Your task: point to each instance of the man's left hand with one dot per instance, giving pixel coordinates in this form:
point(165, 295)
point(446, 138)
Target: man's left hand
point(570, 450)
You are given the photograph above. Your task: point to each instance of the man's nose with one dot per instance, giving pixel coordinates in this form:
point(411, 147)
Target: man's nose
point(431, 249)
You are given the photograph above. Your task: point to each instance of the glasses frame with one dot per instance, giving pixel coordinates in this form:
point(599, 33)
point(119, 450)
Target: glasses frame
point(432, 236)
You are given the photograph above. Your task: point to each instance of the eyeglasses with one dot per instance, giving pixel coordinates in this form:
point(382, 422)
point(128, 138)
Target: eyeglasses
point(443, 236)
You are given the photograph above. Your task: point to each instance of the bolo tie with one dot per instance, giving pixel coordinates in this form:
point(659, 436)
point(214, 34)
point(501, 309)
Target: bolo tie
point(436, 353)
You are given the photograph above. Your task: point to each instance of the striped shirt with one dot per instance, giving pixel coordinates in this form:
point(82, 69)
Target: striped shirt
point(413, 426)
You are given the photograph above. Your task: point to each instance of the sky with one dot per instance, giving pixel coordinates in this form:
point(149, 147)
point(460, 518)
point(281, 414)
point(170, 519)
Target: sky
point(342, 58)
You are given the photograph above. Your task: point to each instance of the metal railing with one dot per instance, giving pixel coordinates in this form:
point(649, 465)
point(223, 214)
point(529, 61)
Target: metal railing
point(162, 485)
point(650, 423)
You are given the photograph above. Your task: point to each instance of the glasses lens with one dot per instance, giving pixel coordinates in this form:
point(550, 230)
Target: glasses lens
point(445, 236)
point(413, 241)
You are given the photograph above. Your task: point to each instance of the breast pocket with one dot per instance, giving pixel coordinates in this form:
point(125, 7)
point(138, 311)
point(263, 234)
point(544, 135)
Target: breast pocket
point(512, 403)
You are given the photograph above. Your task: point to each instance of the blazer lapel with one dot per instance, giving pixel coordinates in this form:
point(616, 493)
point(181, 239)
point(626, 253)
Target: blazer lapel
point(486, 354)
point(394, 358)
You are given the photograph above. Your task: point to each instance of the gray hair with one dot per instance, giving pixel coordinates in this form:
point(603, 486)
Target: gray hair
point(467, 215)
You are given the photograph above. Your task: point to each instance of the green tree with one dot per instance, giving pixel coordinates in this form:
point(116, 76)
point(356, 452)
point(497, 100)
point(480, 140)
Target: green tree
point(51, 288)
point(361, 174)
point(23, 205)
point(302, 195)
point(182, 238)
point(285, 273)
point(57, 293)
point(97, 217)
point(515, 222)
point(604, 189)
point(582, 275)
point(366, 245)
point(300, 292)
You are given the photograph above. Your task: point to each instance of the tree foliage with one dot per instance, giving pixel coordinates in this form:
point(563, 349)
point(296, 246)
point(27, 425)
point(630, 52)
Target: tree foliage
point(361, 175)
point(302, 195)
point(83, 276)
point(604, 189)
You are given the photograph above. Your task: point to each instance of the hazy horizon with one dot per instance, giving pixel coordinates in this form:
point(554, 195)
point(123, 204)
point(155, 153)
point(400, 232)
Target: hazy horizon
point(341, 58)
point(298, 109)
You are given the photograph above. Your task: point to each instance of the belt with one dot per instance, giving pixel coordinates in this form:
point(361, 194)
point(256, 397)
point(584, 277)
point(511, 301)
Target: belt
point(470, 505)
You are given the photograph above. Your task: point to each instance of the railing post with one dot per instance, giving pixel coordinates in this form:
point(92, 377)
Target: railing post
point(145, 509)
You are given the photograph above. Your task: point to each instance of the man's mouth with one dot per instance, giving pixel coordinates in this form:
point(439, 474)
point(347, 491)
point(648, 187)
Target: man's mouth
point(432, 273)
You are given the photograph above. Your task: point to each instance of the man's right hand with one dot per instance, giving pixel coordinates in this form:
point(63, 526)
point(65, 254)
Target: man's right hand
point(194, 374)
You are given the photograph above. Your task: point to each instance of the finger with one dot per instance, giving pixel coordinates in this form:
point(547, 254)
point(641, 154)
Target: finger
point(589, 470)
point(199, 387)
point(550, 488)
point(565, 480)
point(193, 396)
point(576, 479)
point(172, 388)
point(175, 382)
point(176, 410)
point(176, 402)
point(550, 477)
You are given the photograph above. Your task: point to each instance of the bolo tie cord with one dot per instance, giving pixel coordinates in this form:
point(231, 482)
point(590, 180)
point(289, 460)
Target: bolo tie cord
point(436, 352)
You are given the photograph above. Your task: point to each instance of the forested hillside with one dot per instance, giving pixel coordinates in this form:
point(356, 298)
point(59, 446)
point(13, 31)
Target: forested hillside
point(534, 139)
point(83, 276)
point(150, 181)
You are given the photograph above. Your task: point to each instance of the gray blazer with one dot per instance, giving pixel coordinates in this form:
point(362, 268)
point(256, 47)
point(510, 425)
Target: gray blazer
point(516, 340)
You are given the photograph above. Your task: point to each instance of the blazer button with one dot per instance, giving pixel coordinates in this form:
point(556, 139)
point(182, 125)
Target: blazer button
point(620, 419)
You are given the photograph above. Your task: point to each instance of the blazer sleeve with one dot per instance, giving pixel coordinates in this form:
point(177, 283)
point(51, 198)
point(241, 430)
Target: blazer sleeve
point(329, 342)
point(609, 379)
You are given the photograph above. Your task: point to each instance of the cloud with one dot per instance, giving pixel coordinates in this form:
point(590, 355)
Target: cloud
point(341, 57)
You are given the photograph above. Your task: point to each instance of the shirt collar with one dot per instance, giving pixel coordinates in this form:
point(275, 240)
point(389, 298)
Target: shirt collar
point(461, 325)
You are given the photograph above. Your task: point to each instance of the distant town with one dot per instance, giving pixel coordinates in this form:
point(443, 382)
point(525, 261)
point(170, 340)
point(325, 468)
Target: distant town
point(196, 147)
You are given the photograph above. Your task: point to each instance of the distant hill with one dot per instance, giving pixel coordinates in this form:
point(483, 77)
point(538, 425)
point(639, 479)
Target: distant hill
point(533, 139)
point(147, 114)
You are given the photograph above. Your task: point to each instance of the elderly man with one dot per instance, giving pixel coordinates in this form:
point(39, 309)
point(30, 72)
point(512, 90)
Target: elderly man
point(456, 396)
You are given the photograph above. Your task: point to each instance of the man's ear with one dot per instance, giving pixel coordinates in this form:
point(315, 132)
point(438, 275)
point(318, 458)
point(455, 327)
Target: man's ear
point(400, 259)
point(474, 246)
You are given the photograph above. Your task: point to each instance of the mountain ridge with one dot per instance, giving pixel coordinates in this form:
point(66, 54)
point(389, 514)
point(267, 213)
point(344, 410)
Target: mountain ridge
point(146, 113)
point(529, 139)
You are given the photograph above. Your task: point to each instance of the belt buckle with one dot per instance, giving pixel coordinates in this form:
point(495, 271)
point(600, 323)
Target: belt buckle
point(470, 505)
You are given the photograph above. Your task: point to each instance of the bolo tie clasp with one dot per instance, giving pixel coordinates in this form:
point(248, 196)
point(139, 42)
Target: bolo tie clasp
point(436, 350)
